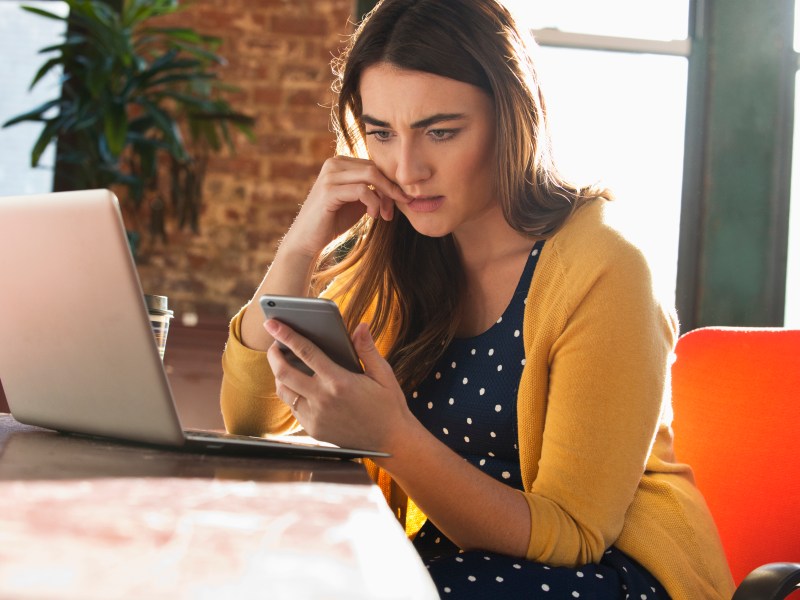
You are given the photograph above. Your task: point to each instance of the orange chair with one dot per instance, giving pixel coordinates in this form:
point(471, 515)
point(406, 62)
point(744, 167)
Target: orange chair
point(736, 402)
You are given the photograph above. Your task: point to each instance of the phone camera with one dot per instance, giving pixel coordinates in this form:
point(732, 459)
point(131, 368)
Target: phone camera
point(271, 303)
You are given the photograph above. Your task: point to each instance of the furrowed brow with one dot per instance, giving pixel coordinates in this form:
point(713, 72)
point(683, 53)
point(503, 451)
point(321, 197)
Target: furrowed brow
point(367, 120)
point(437, 118)
point(421, 124)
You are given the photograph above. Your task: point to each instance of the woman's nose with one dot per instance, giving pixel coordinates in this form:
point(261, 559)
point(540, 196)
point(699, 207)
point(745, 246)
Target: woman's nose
point(412, 166)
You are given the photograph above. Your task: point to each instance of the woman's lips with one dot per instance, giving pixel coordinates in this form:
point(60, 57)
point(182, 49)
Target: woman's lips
point(424, 204)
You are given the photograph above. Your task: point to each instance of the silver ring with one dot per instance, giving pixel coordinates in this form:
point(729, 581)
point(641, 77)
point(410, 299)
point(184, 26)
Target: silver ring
point(294, 402)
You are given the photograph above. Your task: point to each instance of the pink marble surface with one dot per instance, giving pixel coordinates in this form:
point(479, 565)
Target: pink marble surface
point(220, 535)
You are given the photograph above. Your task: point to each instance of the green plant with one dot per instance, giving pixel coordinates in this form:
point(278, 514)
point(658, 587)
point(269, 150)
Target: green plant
point(133, 93)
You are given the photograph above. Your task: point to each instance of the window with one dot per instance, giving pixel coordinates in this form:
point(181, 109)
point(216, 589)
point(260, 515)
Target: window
point(614, 75)
point(649, 20)
point(791, 316)
point(619, 119)
point(22, 35)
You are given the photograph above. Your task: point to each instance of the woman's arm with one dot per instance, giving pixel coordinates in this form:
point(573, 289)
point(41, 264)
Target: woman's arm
point(605, 370)
point(600, 357)
point(344, 191)
point(471, 508)
point(370, 411)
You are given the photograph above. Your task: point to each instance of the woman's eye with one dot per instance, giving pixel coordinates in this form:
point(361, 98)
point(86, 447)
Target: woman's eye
point(380, 135)
point(440, 135)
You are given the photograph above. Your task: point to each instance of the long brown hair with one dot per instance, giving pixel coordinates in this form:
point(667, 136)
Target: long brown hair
point(416, 283)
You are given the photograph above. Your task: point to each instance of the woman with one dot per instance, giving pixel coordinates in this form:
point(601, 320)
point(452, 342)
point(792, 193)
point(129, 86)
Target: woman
point(519, 377)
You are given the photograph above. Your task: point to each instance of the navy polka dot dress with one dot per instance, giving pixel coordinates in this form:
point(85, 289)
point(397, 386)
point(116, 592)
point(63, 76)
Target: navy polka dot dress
point(469, 402)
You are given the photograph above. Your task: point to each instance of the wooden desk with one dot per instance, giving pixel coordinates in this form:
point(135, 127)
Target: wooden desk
point(82, 518)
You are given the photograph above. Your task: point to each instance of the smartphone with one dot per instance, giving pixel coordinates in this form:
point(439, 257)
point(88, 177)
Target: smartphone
point(317, 319)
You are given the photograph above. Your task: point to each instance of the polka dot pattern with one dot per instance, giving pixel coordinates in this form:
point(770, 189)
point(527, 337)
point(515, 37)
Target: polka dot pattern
point(480, 575)
point(469, 403)
point(479, 377)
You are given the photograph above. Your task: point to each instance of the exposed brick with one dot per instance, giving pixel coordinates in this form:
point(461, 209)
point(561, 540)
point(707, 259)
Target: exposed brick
point(280, 144)
point(267, 94)
point(322, 147)
point(291, 169)
point(312, 120)
point(197, 261)
point(307, 97)
point(306, 26)
point(239, 166)
point(278, 54)
point(216, 18)
point(272, 48)
point(307, 72)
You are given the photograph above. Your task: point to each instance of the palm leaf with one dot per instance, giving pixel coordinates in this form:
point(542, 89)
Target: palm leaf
point(43, 13)
point(48, 134)
point(120, 64)
point(70, 43)
point(45, 69)
point(37, 114)
point(115, 126)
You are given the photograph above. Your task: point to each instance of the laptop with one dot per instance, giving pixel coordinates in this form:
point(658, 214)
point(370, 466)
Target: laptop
point(77, 351)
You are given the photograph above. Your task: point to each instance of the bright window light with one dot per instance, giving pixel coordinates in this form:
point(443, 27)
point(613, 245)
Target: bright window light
point(796, 26)
point(22, 35)
point(645, 19)
point(618, 119)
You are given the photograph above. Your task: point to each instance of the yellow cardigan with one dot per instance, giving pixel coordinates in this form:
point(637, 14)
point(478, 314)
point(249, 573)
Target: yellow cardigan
point(593, 412)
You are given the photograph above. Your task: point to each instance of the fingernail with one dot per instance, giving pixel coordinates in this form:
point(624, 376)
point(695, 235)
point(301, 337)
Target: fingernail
point(271, 325)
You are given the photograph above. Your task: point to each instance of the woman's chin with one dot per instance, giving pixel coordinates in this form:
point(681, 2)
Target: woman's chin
point(434, 230)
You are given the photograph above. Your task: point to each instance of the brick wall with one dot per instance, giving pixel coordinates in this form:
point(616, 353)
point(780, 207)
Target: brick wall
point(279, 55)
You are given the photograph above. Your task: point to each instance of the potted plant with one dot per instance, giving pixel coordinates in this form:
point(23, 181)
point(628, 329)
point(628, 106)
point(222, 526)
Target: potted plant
point(135, 92)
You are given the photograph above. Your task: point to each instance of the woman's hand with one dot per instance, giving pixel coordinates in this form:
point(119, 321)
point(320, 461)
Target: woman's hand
point(344, 191)
point(369, 411)
point(336, 405)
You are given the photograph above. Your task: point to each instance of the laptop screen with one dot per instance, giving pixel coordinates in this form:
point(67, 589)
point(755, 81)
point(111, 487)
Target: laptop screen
point(77, 351)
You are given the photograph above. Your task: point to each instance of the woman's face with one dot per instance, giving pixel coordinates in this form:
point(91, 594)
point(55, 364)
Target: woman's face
point(434, 137)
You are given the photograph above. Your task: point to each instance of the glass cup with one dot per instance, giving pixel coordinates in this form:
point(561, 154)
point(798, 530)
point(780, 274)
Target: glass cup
point(160, 316)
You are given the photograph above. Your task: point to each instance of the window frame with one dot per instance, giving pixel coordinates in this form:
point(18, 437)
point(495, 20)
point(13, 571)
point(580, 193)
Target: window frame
point(693, 279)
point(686, 278)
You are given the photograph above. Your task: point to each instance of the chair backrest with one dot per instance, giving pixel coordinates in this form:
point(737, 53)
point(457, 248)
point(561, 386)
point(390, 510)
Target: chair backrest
point(736, 400)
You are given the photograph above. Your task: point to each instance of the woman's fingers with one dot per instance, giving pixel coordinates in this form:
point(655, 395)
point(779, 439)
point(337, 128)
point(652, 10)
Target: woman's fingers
point(308, 396)
point(374, 364)
point(345, 189)
point(373, 203)
point(299, 357)
point(345, 170)
point(333, 404)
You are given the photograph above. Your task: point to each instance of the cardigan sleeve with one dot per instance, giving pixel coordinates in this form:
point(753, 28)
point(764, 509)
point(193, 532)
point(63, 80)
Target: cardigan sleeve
point(599, 342)
point(247, 397)
point(250, 406)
